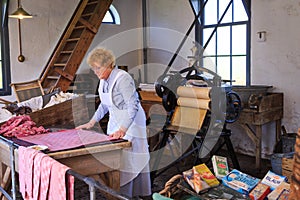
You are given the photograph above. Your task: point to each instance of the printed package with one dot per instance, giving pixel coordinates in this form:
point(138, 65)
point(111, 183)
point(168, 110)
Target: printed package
point(260, 192)
point(197, 184)
point(273, 180)
point(220, 166)
point(280, 191)
point(205, 174)
point(240, 181)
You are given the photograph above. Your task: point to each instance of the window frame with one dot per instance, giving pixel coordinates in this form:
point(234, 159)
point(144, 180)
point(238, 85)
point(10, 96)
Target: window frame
point(199, 27)
point(5, 54)
point(114, 15)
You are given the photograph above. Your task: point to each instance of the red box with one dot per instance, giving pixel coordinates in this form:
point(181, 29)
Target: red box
point(260, 191)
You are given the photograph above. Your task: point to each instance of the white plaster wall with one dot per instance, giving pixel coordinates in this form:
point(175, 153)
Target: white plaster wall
point(277, 61)
point(274, 62)
point(39, 36)
point(170, 21)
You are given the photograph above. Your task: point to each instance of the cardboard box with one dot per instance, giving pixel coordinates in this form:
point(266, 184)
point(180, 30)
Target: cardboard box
point(274, 195)
point(220, 166)
point(239, 181)
point(205, 174)
point(196, 183)
point(273, 180)
point(260, 192)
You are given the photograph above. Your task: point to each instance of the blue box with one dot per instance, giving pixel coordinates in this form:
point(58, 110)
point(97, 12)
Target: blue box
point(239, 181)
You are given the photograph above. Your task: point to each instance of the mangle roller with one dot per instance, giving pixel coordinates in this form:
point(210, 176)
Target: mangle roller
point(198, 110)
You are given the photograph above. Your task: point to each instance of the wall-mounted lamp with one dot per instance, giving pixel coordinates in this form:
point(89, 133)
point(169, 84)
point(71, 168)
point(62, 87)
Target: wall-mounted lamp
point(19, 14)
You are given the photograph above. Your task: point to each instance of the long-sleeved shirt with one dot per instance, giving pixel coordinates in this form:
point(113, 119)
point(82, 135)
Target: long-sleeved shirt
point(124, 96)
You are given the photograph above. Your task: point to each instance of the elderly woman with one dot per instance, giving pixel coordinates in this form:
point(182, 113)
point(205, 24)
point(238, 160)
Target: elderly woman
point(126, 120)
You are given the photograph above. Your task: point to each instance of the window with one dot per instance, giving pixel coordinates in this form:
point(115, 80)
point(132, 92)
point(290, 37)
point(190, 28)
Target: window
point(224, 32)
point(5, 89)
point(111, 16)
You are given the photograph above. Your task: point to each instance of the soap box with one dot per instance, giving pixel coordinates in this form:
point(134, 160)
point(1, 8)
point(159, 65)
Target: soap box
point(196, 183)
point(240, 181)
point(205, 174)
point(273, 180)
point(280, 190)
point(260, 192)
point(220, 166)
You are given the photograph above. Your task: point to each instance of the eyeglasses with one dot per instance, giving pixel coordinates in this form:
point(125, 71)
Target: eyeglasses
point(99, 69)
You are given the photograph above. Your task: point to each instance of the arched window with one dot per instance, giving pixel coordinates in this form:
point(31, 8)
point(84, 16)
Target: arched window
point(112, 16)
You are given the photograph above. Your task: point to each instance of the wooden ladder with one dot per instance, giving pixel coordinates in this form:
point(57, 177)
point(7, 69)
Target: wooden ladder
point(73, 44)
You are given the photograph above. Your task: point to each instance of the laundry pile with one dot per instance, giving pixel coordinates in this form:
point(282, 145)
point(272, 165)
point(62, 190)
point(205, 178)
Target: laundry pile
point(20, 126)
point(37, 103)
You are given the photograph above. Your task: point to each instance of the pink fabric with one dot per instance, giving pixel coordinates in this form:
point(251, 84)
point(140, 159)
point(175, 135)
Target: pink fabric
point(22, 169)
point(46, 166)
point(41, 177)
point(57, 189)
point(37, 174)
point(26, 163)
point(67, 139)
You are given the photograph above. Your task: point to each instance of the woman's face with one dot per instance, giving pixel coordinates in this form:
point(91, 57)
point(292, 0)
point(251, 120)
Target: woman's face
point(102, 72)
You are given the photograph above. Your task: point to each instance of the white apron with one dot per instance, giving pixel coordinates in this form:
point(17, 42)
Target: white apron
point(135, 159)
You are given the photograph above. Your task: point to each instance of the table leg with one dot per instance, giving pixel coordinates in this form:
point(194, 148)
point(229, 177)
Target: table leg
point(258, 131)
point(111, 179)
point(256, 138)
point(278, 130)
point(5, 178)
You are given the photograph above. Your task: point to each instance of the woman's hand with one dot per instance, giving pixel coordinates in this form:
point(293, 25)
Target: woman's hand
point(118, 134)
point(88, 125)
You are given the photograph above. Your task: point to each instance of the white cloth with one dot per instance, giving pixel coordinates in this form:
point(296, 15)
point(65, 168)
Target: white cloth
point(59, 98)
point(35, 103)
point(5, 115)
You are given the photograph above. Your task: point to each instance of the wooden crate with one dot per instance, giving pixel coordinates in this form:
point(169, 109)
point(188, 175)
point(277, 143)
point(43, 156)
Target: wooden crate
point(271, 100)
point(287, 167)
point(69, 113)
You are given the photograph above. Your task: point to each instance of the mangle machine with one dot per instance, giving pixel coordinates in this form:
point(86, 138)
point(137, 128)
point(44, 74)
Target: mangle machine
point(199, 104)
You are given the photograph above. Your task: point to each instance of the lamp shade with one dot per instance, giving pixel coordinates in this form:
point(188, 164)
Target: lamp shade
point(20, 13)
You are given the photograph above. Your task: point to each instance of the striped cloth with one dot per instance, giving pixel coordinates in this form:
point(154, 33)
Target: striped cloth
point(41, 177)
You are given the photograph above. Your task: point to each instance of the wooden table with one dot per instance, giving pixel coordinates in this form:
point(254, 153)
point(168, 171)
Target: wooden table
point(89, 161)
point(269, 110)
